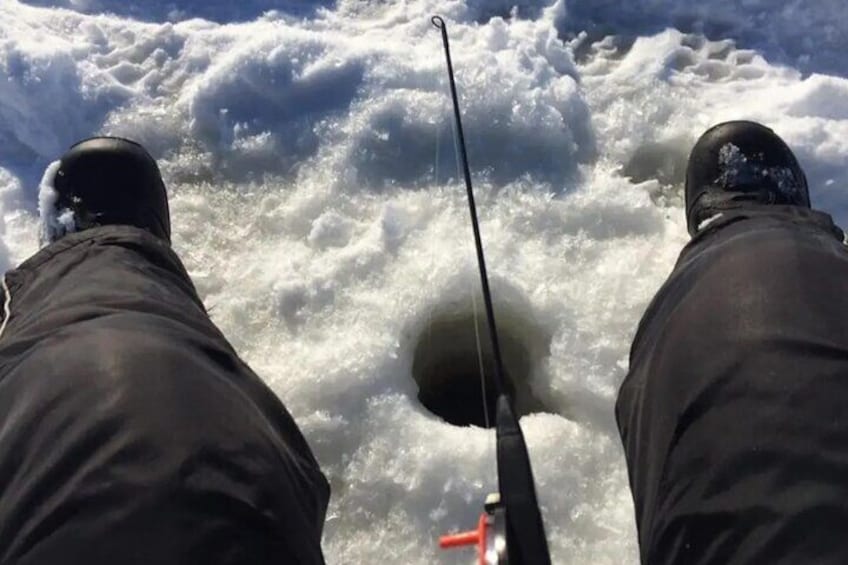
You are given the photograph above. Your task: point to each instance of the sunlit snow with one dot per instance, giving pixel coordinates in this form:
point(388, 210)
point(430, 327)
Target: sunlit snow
point(309, 155)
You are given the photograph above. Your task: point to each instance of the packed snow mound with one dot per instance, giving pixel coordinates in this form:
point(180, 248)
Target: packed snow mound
point(809, 36)
point(806, 35)
point(820, 97)
point(168, 10)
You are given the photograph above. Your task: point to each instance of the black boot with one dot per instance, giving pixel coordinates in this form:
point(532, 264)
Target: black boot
point(740, 163)
point(109, 180)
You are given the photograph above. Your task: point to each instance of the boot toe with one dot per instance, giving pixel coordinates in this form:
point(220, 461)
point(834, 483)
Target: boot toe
point(110, 180)
point(738, 163)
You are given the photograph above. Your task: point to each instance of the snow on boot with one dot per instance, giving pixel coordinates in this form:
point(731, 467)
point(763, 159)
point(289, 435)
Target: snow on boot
point(739, 162)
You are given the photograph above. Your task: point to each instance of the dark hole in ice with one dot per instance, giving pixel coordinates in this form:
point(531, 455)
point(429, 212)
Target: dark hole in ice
point(446, 366)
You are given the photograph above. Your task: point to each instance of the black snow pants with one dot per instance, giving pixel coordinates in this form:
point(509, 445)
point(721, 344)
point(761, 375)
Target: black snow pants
point(734, 415)
point(130, 431)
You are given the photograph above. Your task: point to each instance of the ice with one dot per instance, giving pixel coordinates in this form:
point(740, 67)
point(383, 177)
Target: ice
point(316, 201)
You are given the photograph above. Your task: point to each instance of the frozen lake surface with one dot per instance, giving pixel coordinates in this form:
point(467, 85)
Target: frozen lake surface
point(315, 200)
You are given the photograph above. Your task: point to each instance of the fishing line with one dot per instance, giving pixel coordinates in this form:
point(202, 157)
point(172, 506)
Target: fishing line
point(511, 530)
point(472, 292)
point(459, 139)
point(480, 360)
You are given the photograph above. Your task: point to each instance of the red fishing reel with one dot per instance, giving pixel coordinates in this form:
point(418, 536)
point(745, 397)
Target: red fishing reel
point(489, 537)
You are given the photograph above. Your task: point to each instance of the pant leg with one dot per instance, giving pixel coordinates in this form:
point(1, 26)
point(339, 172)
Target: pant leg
point(130, 431)
point(734, 413)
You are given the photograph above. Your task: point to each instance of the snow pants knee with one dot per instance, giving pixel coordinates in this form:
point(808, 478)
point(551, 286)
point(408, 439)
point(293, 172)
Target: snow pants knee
point(130, 431)
point(734, 414)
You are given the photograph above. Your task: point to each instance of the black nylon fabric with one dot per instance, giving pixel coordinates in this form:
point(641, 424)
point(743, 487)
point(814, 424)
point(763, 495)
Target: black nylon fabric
point(130, 431)
point(734, 415)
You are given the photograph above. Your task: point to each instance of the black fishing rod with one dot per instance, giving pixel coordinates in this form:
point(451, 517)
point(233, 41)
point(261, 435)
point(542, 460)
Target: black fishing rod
point(511, 530)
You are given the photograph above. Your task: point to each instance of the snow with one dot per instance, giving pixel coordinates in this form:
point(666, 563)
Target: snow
point(738, 169)
point(316, 201)
point(53, 223)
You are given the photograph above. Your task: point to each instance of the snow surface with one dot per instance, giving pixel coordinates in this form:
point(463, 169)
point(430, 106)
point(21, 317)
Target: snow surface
point(315, 201)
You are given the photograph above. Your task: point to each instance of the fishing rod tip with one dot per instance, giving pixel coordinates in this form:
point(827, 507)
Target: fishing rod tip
point(438, 22)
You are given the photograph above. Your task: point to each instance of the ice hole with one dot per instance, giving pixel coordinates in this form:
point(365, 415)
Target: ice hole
point(446, 366)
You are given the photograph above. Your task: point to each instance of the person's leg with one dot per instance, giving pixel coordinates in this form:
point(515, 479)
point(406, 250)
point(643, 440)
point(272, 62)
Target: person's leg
point(733, 411)
point(130, 431)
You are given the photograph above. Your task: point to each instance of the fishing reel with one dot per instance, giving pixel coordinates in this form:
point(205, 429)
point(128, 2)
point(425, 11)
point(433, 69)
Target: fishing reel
point(490, 537)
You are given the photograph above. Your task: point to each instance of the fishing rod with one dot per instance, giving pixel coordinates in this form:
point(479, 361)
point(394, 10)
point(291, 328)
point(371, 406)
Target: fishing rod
point(510, 530)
